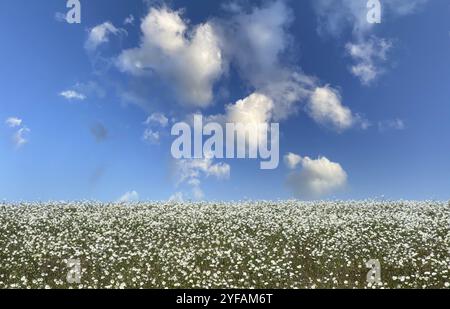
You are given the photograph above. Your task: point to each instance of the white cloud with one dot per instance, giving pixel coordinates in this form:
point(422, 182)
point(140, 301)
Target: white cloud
point(325, 108)
point(19, 138)
point(257, 41)
point(335, 16)
point(156, 122)
point(395, 124)
point(157, 119)
point(191, 171)
point(252, 112)
point(131, 196)
point(60, 17)
point(72, 95)
point(287, 92)
point(100, 35)
point(262, 34)
point(368, 55)
point(292, 160)
point(13, 122)
point(129, 20)
point(191, 61)
point(255, 110)
point(317, 178)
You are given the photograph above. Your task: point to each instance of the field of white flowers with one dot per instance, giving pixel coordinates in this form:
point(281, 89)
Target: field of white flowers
point(286, 244)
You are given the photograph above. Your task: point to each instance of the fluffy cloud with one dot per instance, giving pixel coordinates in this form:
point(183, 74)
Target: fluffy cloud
point(191, 60)
point(262, 34)
point(100, 34)
point(292, 160)
point(131, 196)
point(253, 40)
point(191, 171)
point(368, 55)
point(256, 42)
point(325, 108)
point(13, 122)
point(72, 95)
point(255, 110)
point(317, 178)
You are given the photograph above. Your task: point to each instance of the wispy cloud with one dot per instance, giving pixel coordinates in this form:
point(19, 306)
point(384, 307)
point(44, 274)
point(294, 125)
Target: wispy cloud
point(368, 52)
point(72, 95)
point(369, 57)
point(100, 34)
point(131, 196)
point(192, 171)
point(395, 124)
point(13, 122)
point(19, 138)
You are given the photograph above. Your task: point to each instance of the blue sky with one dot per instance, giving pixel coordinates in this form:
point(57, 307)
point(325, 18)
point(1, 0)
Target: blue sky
point(363, 108)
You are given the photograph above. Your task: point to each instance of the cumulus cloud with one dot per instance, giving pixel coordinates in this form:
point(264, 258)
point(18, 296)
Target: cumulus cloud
point(254, 110)
point(317, 178)
point(256, 42)
point(191, 171)
point(292, 160)
point(13, 122)
point(325, 108)
point(131, 196)
point(190, 59)
point(263, 34)
point(368, 56)
point(100, 34)
point(72, 95)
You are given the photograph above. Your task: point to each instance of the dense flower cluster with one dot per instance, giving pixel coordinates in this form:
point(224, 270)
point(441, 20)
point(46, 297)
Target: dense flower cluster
point(286, 244)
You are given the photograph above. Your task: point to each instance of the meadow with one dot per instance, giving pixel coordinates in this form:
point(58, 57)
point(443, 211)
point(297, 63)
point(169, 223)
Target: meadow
point(284, 244)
